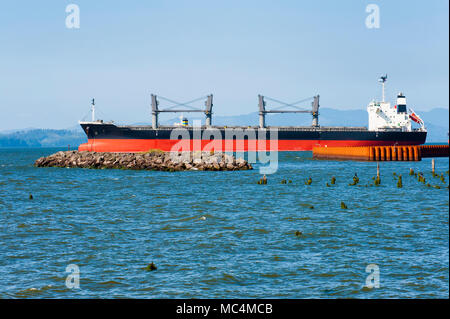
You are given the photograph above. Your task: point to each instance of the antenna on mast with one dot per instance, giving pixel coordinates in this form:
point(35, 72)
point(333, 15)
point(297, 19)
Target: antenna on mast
point(93, 110)
point(382, 80)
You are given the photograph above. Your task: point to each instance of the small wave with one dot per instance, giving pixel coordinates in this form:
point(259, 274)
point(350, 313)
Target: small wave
point(271, 275)
point(393, 248)
point(31, 292)
point(110, 283)
point(169, 228)
point(260, 230)
point(325, 275)
point(225, 278)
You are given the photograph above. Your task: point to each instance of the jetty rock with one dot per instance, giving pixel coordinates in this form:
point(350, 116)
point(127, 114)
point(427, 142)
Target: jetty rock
point(152, 160)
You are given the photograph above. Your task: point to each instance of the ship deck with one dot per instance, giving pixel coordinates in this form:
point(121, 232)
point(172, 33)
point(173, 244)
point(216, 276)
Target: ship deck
point(279, 128)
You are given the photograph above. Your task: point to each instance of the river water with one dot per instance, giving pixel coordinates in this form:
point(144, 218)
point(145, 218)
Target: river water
point(220, 234)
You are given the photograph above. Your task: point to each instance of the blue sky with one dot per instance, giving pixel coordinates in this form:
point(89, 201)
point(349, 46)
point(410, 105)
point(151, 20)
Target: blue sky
point(125, 50)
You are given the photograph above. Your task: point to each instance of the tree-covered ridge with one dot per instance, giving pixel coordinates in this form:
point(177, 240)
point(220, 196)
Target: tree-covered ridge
point(42, 138)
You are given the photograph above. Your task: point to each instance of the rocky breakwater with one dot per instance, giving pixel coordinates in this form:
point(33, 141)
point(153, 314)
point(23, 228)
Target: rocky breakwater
point(155, 160)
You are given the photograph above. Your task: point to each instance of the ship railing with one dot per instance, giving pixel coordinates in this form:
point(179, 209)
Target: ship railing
point(279, 128)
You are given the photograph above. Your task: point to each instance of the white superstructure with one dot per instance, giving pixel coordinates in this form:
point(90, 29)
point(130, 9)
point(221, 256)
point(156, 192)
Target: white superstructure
point(384, 117)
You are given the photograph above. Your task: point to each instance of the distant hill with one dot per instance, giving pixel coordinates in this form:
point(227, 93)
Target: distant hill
point(42, 138)
point(436, 120)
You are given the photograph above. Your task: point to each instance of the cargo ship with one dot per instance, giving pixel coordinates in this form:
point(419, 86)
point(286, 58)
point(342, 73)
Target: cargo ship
point(388, 126)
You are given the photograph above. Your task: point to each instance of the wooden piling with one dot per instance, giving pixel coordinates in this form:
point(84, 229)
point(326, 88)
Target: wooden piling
point(382, 153)
point(416, 151)
point(394, 153)
point(378, 170)
point(399, 154)
point(377, 153)
point(405, 153)
point(388, 153)
point(371, 153)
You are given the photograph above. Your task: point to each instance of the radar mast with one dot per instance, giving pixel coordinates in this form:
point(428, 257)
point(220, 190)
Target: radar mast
point(382, 80)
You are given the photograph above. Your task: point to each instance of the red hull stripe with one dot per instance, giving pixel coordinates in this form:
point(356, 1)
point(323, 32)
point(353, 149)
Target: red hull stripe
point(143, 145)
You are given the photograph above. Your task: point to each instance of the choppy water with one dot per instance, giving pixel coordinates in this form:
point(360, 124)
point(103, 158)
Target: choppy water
point(112, 223)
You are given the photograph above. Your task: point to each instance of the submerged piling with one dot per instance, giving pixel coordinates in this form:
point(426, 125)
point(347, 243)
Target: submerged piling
point(263, 180)
point(399, 182)
point(151, 267)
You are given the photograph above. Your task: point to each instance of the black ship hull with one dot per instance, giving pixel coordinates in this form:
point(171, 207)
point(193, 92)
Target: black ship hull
point(106, 137)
